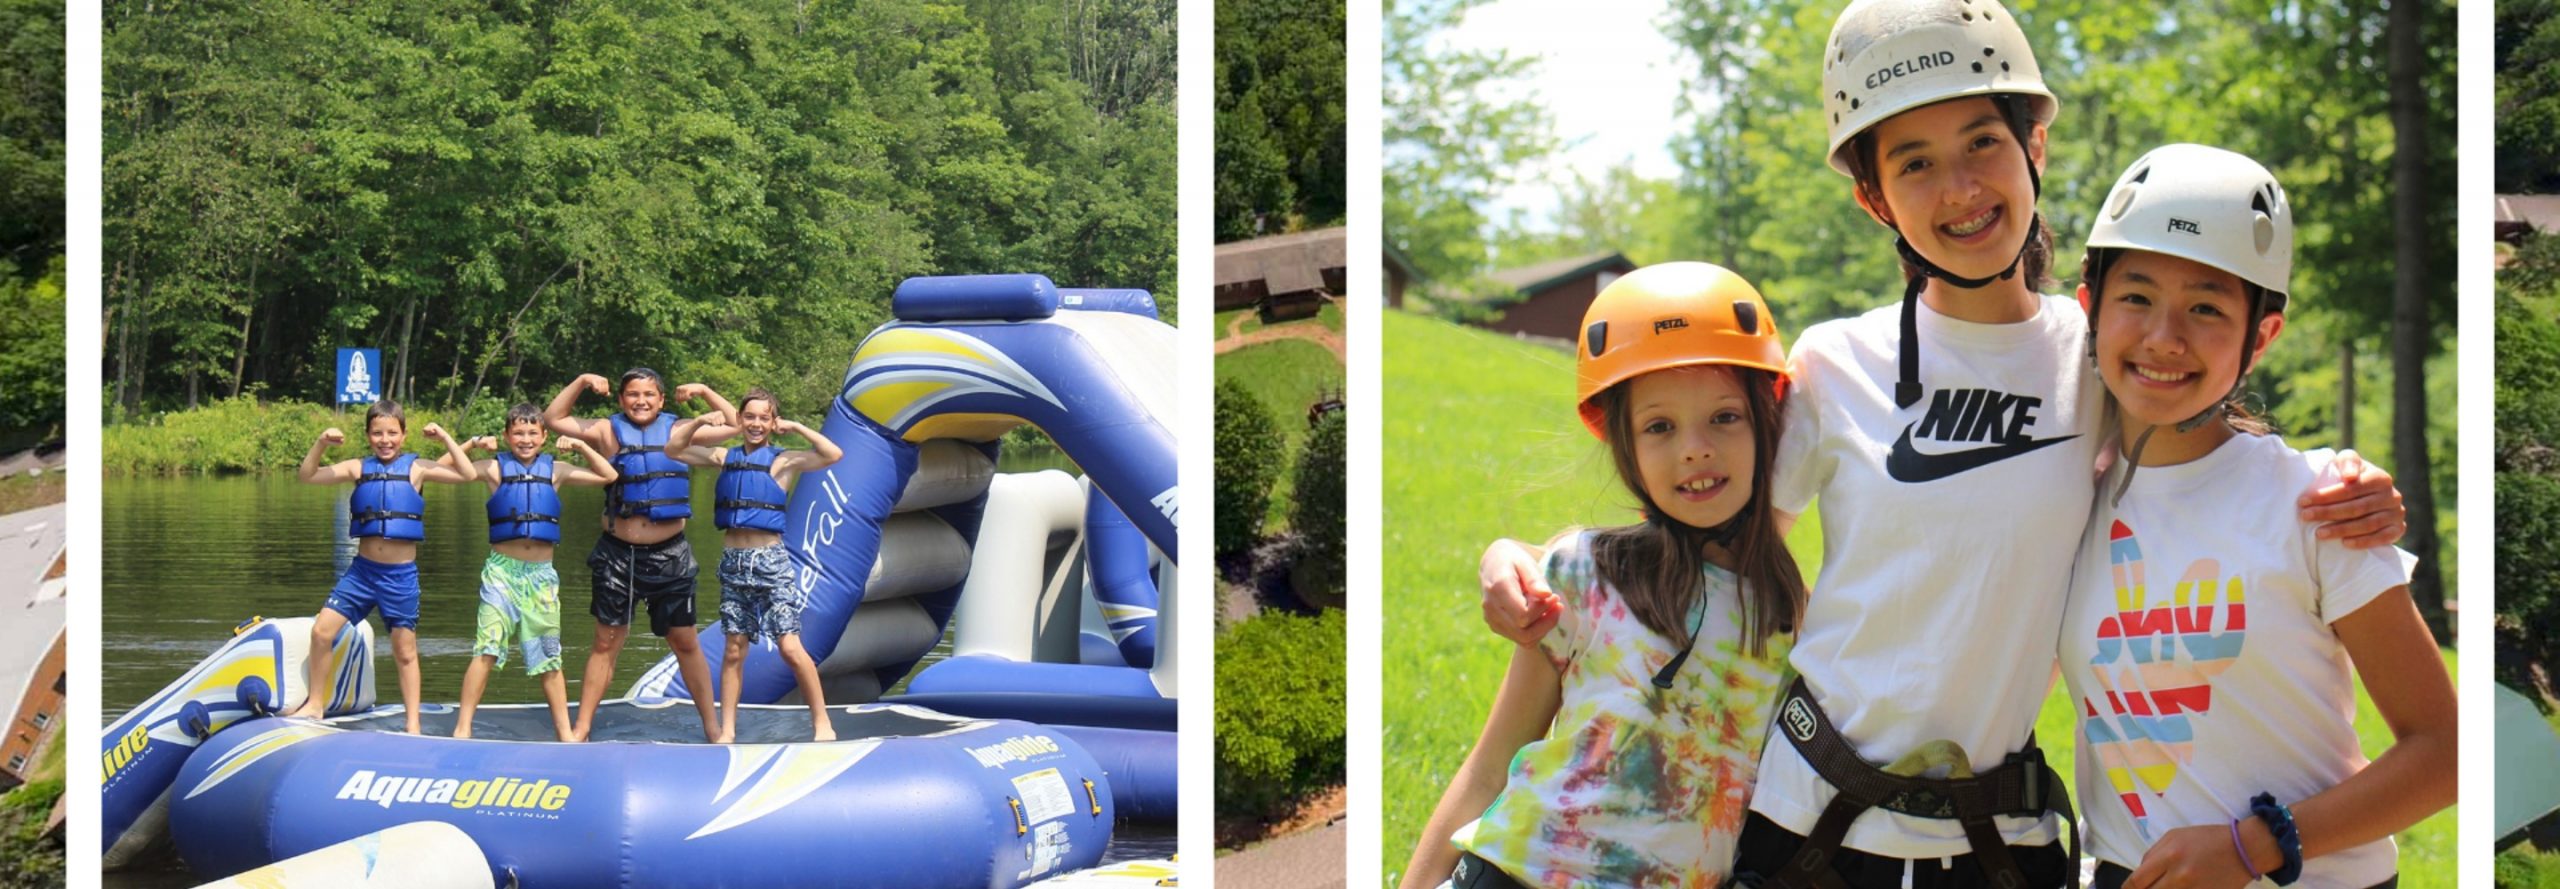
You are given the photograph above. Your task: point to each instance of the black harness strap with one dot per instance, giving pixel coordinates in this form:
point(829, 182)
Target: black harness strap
point(747, 504)
point(2022, 785)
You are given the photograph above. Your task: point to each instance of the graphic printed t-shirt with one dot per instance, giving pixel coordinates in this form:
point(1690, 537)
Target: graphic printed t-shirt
point(1635, 785)
point(2197, 646)
point(1948, 529)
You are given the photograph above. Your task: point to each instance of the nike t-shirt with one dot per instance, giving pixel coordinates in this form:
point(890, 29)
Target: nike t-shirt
point(1948, 530)
point(2198, 649)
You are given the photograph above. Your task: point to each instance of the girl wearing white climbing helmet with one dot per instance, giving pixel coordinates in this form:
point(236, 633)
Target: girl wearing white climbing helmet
point(1953, 485)
point(2208, 635)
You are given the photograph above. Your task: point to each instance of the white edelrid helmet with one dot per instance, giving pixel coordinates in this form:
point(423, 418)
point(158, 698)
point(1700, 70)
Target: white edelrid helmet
point(2207, 205)
point(1890, 56)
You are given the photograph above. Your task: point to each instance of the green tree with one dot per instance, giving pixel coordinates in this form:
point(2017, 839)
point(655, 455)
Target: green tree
point(1317, 511)
point(1249, 450)
point(1280, 124)
point(1449, 146)
point(501, 197)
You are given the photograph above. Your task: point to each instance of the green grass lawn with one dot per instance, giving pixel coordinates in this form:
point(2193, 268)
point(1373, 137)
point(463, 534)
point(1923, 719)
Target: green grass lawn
point(1228, 317)
point(1481, 443)
point(1287, 375)
point(1331, 315)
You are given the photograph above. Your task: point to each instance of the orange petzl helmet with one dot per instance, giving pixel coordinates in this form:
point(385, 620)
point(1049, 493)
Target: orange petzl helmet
point(1675, 314)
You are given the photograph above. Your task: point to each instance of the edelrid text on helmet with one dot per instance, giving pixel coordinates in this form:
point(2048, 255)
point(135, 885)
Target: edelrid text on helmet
point(1890, 56)
point(1675, 314)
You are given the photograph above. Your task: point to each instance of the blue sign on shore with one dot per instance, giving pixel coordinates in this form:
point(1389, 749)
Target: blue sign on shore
point(359, 375)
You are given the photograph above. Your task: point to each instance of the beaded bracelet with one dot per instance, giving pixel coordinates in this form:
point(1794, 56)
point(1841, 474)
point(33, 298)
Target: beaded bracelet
point(2279, 821)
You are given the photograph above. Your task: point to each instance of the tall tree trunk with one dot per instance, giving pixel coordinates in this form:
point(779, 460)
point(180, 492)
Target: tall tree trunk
point(2412, 334)
point(400, 367)
point(240, 358)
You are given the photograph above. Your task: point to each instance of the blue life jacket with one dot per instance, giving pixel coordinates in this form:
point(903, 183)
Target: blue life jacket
point(525, 506)
point(652, 484)
point(746, 495)
point(384, 503)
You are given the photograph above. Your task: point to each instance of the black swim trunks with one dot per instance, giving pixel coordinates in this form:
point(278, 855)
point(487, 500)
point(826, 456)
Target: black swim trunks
point(626, 574)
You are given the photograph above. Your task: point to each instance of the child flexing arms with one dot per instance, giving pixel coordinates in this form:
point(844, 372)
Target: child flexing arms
point(387, 516)
point(758, 599)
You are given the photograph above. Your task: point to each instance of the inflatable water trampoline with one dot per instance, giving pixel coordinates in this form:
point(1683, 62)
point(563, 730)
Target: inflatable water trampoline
point(1007, 766)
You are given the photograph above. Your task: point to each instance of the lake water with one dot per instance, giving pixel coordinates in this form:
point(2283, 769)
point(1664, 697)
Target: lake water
point(187, 559)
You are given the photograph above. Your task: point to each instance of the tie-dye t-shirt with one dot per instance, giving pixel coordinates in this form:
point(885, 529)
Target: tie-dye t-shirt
point(2197, 646)
point(1635, 785)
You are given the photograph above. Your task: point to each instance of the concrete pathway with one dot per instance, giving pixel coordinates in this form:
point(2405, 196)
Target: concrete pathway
point(1310, 860)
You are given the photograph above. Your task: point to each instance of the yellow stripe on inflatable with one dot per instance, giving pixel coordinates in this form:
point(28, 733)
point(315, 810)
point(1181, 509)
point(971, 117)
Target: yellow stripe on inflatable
point(248, 754)
point(227, 679)
point(882, 403)
point(800, 770)
point(908, 339)
point(965, 427)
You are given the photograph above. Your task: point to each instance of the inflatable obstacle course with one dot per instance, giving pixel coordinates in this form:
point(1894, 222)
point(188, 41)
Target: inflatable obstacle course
point(1058, 721)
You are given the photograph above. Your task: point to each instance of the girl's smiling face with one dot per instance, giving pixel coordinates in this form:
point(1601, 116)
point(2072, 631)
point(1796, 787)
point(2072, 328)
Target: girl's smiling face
point(1950, 176)
point(2169, 335)
point(1692, 441)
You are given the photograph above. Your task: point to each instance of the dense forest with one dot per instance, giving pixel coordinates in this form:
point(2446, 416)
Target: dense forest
point(2528, 349)
point(2352, 106)
point(501, 195)
point(31, 222)
point(1280, 117)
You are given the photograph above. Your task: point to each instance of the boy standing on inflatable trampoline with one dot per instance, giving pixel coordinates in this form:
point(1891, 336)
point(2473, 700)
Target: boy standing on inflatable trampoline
point(387, 516)
point(641, 556)
point(758, 596)
point(519, 588)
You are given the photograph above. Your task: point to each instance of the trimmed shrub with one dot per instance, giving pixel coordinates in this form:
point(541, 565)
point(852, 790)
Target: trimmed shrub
point(1249, 453)
point(1280, 710)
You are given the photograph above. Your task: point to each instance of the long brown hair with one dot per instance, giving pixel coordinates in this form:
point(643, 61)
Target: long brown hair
point(2036, 266)
point(1655, 565)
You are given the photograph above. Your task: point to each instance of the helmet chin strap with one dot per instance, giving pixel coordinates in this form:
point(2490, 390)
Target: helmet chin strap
point(1720, 535)
point(2219, 408)
point(2215, 411)
point(1906, 392)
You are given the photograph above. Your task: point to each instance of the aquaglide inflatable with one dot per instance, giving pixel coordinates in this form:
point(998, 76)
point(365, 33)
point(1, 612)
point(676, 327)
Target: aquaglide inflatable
point(912, 798)
point(1006, 764)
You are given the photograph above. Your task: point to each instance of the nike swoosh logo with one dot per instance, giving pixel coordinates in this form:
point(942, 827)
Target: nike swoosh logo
point(1909, 466)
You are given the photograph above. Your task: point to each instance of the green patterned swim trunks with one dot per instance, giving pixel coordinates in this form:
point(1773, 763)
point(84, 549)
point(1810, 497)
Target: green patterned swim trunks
point(519, 603)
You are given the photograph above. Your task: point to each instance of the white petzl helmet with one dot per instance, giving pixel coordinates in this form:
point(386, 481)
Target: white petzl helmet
point(1890, 56)
point(2207, 205)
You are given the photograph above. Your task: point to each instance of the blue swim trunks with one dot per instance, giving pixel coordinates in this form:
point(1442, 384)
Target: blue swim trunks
point(368, 585)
